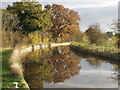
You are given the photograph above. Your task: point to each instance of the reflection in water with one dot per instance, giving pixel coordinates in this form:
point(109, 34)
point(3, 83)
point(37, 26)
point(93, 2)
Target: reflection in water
point(55, 66)
point(119, 78)
point(65, 63)
point(37, 73)
point(58, 65)
point(94, 63)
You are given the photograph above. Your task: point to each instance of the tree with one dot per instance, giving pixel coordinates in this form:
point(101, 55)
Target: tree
point(95, 35)
point(116, 27)
point(65, 22)
point(31, 16)
point(9, 21)
point(109, 34)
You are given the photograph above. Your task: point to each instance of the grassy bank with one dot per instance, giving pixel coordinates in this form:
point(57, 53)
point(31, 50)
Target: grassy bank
point(107, 52)
point(8, 78)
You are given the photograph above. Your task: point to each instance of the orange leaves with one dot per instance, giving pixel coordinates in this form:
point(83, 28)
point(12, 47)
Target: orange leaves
point(65, 21)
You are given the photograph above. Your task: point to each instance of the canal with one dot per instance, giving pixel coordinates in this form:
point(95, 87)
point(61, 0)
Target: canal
point(60, 67)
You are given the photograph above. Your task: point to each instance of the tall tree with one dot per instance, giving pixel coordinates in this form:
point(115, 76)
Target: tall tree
point(9, 21)
point(95, 35)
point(65, 21)
point(31, 16)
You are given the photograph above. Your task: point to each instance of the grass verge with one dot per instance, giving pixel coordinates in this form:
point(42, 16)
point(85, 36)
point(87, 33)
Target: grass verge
point(8, 78)
point(96, 51)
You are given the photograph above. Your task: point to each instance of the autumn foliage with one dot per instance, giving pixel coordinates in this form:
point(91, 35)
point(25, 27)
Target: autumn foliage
point(65, 22)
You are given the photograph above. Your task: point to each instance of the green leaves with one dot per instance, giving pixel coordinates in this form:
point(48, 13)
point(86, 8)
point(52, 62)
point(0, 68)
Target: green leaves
point(31, 16)
point(95, 35)
point(9, 21)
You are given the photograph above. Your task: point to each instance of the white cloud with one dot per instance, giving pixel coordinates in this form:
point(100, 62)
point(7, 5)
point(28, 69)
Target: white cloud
point(85, 1)
point(83, 4)
point(77, 3)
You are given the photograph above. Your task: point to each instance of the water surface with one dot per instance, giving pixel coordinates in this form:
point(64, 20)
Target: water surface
point(61, 68)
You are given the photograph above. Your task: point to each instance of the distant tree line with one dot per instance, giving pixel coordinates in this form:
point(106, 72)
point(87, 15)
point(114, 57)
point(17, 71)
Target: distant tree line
point(97, 37)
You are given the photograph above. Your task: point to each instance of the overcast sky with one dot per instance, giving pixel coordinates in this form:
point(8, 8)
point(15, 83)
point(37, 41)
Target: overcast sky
point(90, 11)
point(78, 3)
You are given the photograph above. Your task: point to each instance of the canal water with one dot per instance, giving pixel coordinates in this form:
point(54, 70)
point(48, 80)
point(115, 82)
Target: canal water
point(61, 68)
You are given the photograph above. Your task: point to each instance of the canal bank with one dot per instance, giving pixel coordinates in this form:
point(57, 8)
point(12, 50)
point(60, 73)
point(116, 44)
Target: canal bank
point(96, 51)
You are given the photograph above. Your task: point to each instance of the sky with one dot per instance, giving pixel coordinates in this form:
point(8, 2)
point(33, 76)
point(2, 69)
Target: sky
point(77, 3)
point(90, 11)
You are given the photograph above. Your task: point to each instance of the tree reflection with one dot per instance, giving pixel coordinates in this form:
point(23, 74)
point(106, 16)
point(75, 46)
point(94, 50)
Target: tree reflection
point(56, 67)
point(65, 64)
point(116, 74)
point(36, 73)
point(95, 63)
